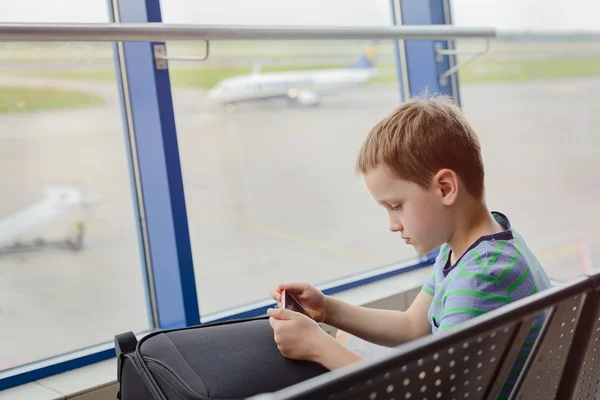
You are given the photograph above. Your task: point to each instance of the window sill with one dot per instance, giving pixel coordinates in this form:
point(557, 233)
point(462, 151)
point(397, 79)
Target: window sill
point(98, 381)
point(92, 382)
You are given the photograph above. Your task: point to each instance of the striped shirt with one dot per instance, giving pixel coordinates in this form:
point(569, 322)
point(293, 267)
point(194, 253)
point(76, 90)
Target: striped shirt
point(496, 270)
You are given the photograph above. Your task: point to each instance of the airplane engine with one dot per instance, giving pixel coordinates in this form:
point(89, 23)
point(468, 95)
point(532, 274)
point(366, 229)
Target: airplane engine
point(307, 98)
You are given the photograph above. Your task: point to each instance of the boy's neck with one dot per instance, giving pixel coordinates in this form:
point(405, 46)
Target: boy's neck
point(476, 221)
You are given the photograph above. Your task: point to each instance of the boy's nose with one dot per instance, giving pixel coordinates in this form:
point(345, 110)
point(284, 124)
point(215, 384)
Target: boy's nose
point(395, 226)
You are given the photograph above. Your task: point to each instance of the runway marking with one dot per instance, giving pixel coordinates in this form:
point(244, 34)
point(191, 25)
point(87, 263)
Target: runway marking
point(109, 186)
point(551, 254)
point(586, 257)
point(559, 252)
point(268, 230)
point(42, 171)
point(567, 88)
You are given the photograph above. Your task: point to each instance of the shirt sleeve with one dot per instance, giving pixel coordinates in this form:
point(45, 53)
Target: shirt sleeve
point(440, 260)
point(429, 286)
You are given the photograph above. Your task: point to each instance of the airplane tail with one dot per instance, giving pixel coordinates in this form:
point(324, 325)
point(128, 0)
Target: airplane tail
point(367, 58)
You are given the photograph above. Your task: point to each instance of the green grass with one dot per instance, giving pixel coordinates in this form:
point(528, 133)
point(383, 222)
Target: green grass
point(97, 75)
point(54, 59)
point(21, 99)
point(490, 71)
point(204, 78)
point(479, 71)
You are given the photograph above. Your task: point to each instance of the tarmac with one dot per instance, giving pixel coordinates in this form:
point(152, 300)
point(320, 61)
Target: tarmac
point(271, 196)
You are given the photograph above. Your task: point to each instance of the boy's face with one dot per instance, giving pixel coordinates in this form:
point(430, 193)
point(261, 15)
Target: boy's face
point(420, 216)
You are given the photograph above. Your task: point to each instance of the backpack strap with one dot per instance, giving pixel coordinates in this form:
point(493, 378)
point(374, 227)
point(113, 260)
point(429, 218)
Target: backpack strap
point(125, 343)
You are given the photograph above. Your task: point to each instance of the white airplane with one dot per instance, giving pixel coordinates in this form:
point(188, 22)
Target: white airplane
point(302, 87)
point(58, 200)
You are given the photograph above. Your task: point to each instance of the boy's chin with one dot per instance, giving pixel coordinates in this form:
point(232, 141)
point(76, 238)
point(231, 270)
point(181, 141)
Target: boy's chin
point(420, 250)
point(423, 251)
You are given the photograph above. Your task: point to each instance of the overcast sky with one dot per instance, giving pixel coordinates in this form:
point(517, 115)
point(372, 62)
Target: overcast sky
point(501, 14)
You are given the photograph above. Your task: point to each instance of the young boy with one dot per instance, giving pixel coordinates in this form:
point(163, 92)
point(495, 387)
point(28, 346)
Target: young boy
point(423, 164)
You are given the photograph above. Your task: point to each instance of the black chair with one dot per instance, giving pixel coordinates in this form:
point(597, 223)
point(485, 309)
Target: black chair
point(581, 376)
point(560, 337)
point(474, 360)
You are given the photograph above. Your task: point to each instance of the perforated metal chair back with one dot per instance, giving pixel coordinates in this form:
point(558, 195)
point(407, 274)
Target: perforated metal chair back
point(585, 371)
point(461, 368)
point(467, 363)
point(565, 361)
point(541, 376)
point(581, 377)
point(470, 362)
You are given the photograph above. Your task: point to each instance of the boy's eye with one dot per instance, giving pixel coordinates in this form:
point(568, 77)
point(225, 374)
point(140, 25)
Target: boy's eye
point(397, 207)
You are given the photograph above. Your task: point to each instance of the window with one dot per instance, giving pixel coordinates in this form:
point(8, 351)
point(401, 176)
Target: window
point(268, 166)
point(532, 104)
point(70, 261)
point(268, 135)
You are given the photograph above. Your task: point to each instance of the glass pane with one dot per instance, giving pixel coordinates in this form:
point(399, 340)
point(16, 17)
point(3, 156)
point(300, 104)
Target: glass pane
point(70, 264)
point(537, 15)
point(58, 11)
point(534, 105)
point(270, 185)
point(274, 12)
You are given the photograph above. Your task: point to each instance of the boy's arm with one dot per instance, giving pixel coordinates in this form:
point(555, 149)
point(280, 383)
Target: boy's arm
point(331, 354)
point(384, 327)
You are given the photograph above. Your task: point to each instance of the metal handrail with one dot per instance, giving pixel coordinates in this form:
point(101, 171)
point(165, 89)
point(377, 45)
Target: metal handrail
point(539, 34)
point(160, 32)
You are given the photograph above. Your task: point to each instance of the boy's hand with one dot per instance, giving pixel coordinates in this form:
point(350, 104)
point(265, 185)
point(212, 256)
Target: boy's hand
point(309, 297)
point(297, 336)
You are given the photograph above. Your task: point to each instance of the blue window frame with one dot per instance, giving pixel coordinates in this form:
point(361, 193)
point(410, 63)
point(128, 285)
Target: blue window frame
point(150, 115)
point(422, 66)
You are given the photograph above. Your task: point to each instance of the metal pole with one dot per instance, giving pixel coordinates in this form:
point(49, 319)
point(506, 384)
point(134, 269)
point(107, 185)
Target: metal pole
point(160, 32)
point(532, 35)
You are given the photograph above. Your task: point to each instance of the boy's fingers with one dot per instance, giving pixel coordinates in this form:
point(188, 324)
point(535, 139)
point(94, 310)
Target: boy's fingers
point(293, 287)
point(280, 313)
point(275, 295)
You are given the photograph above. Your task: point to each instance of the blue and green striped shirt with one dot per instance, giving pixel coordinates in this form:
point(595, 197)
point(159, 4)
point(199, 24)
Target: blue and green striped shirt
point(496, 270)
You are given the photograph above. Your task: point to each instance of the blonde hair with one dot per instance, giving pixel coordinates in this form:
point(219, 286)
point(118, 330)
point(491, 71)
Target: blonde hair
point(421, 137)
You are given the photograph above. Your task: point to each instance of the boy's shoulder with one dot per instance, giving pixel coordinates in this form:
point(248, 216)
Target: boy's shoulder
point(502, 262)
point(490, 256)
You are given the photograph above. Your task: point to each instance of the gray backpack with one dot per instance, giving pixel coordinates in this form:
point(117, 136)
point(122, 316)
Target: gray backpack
point(227, 360)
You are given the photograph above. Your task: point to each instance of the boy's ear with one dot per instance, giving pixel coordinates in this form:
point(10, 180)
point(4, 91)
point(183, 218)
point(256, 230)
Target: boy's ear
point(446, 182)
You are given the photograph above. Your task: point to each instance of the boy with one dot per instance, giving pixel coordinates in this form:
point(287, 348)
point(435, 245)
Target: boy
point(423, 164)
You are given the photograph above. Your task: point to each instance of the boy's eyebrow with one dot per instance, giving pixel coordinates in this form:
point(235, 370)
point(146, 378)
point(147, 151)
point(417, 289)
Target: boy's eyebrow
point(392, 196)
point(389, 200)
